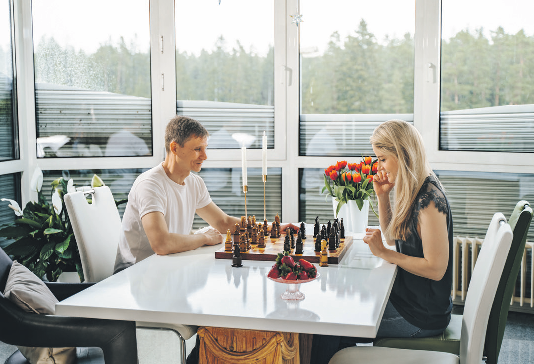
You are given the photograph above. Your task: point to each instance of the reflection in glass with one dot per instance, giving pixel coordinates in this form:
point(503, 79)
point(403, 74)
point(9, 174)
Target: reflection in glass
point(486, 76)
point(225, 69)
point(7, 137)
point(226, 190)
point(357, 69)
point(10, 189)
point(93, 95)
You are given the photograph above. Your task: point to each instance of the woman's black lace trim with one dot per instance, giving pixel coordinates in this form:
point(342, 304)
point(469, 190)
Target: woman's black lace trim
point(432, 193)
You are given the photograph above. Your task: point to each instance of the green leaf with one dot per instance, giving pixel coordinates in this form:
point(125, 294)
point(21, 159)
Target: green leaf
point(22, 247)
point(338, 192)
point(55, 182)
point(49, 231)
point(351, 189)
point(15, 231)
point(66, 255)
point(365, 183)
point(28, 222)
point(341, 203)
point(61, 247)
point(120, 202)
point(327, 185)
point(79, 269)
point(359, 202)
point(47, 251)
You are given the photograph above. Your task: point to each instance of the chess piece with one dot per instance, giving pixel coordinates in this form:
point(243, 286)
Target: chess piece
point(341, 230)
point(292, 238)
point(243, 222)
point(302, 230)
point(237, 231)
point(328, 228)
point(228, 242)
point(287, 246)
point(323, 261)
point(332, 240)
point(324, 236)
point(261, 241)
point(318, 243)
point(277, 223)
point(249, 225)
point(300, 246)
point(273, 231)
point(254, 235)
point(265, 228)
point(253, 219)
point(236, 259)
point(316, 227)
point(335, 225)
point(243, 242)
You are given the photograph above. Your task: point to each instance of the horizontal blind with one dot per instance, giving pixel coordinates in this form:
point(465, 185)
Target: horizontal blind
point(6, 118)
point(226, 190)
point(10, 189)
point(231, 124)
point(312, 203)
point(341, 134)
point(495, 129)
point(88, 119)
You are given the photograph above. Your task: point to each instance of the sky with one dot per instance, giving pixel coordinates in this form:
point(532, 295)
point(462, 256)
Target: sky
point(86, 24)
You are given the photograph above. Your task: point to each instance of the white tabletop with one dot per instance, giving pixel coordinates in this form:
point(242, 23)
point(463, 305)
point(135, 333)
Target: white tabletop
point(197, 289)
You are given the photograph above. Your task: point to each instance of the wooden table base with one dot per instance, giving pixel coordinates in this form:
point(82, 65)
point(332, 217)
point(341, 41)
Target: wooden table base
point(229, 346)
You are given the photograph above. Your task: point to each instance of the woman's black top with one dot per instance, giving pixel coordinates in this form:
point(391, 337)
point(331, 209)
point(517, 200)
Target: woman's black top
point(423, 302)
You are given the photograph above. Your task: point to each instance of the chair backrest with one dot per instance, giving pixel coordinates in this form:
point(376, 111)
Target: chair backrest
point(520, 223)
point(5, 267)
point(482, 288)
point(96, 227)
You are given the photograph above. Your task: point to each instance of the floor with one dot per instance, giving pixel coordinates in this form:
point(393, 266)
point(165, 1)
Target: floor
point(517, 346)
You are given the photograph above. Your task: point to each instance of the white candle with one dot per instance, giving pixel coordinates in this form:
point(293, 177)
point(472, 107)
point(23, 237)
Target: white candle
point(244, 164)
point(264, 155)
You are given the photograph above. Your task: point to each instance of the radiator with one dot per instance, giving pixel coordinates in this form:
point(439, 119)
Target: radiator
point(465, 254)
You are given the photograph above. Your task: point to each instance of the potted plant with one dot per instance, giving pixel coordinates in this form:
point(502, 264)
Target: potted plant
point(44, 240)
point(351, 186)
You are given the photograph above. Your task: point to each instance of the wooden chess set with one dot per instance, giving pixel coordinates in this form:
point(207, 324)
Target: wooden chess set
point(253, 241)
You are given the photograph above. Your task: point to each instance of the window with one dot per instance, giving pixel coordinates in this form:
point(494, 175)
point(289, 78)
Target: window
point(486, 76)
point(225, 69)
point(10, 189)
point(92, 88)
point(7, 90)
point(357, 69)
point(226, 190)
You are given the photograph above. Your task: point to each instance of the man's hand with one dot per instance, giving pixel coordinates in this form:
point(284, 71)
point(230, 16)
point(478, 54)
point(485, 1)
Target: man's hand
point(213, 237)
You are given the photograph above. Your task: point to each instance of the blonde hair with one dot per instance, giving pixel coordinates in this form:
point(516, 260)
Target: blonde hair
point(402, 140)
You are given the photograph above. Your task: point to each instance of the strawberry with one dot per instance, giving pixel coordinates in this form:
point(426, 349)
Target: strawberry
point(291, 277)
point(287, 260)
point(284, 270)
point(305, 264)
point(274, 273)
point(303, 275)
point(311, 272)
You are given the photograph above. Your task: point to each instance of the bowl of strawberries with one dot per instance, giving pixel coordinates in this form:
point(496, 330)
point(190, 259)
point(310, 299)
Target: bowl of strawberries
point(286, 270)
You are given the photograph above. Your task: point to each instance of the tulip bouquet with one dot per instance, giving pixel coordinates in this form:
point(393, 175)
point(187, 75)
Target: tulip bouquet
point(350, 181)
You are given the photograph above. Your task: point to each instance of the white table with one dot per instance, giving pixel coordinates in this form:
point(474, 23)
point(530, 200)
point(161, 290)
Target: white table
point(197, 289)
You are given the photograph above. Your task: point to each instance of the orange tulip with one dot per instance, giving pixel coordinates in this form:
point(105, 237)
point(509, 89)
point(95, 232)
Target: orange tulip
point(357, 178)
point(368, 160)
point(375, 167)
point(333, 175)
point(366, 169)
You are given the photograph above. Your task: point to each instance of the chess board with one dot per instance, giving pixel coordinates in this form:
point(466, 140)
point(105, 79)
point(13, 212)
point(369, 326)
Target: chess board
point(275, 246)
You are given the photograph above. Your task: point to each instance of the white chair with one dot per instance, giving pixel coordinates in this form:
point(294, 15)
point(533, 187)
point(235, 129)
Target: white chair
point(97, 227)
point(482, 288)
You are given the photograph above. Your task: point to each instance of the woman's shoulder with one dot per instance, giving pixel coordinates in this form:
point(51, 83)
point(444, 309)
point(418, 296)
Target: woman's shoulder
point(431, 191)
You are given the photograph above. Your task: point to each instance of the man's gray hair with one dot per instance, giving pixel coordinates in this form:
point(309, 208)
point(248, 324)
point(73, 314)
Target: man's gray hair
point(180, 129)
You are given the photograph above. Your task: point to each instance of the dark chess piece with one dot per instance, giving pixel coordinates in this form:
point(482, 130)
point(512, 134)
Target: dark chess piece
point(273, 231)
point(335, 225)
point(300, 246)
point(287, 246)
point(316, 227)
point(328, 228)
point(265, 228)
point(317, 243)
point(292, 240)
point(324, 236)
point(341, 230)
point(337, 240)
point(332, 240)
point(302, 230)
point(236, 259)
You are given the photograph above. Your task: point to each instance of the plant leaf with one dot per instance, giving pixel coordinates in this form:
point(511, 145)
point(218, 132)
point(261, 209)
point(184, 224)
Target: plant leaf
point(327, 185)
point(49, 231)
point(120, 202)
point(28, 222)
point(61, 247)
point(341, 203)
point(22, 247)
point(15, 231)
point(47, 251)
point(359, 202)
point(80, 272)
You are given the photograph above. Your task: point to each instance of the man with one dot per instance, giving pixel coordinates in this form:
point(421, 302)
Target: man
point(163, 201)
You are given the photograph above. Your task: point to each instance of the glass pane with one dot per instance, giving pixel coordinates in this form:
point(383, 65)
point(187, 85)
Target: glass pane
point(312, 203)
point(357, 69)
point(93, 93)
point(225, 69)
point(226, 189)
point(7, 136)
point(486, 76)
point(120, 181)
point(9, 188)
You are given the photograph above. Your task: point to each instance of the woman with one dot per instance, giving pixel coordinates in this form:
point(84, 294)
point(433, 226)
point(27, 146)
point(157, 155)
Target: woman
point(420, 228)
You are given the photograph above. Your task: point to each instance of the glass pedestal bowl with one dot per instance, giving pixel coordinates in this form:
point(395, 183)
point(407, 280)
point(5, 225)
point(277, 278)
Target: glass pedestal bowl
point(292, 292)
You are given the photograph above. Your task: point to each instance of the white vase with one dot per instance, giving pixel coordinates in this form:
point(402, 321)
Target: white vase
point(343, 214)
point(358, 218)
point(69, 277)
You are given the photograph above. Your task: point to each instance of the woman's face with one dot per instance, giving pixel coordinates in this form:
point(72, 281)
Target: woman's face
point(387, 163)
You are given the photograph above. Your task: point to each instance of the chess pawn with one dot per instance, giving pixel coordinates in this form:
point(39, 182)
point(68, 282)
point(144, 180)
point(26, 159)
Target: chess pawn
point(265, 228)
point(287, 246)
point(261, 241)
point(318, 243)
point(332, 240)
point(300, 246)
point(341, 230)
point(236, 259)
point(303, 230)
point(228, 242)
point(273, 231)
point(323, 261)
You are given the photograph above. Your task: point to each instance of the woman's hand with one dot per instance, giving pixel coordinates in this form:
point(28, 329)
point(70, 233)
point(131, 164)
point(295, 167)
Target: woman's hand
point(373, 238)
point(381, 184)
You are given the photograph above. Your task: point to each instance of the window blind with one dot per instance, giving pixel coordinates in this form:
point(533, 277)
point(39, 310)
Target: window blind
point(9, 188)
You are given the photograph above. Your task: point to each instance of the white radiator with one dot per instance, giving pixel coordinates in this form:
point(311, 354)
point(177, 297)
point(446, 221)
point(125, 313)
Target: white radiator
point(465, 254)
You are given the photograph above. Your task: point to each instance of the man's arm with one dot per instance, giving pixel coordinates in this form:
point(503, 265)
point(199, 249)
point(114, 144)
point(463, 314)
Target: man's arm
point(163, 242)
point(217, 218)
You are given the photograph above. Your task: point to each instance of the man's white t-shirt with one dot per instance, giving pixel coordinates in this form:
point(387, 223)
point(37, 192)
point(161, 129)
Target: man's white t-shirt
point(155, 191)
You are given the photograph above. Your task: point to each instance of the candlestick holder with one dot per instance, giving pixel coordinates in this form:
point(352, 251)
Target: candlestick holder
point(264, 178)
point(245, 190)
